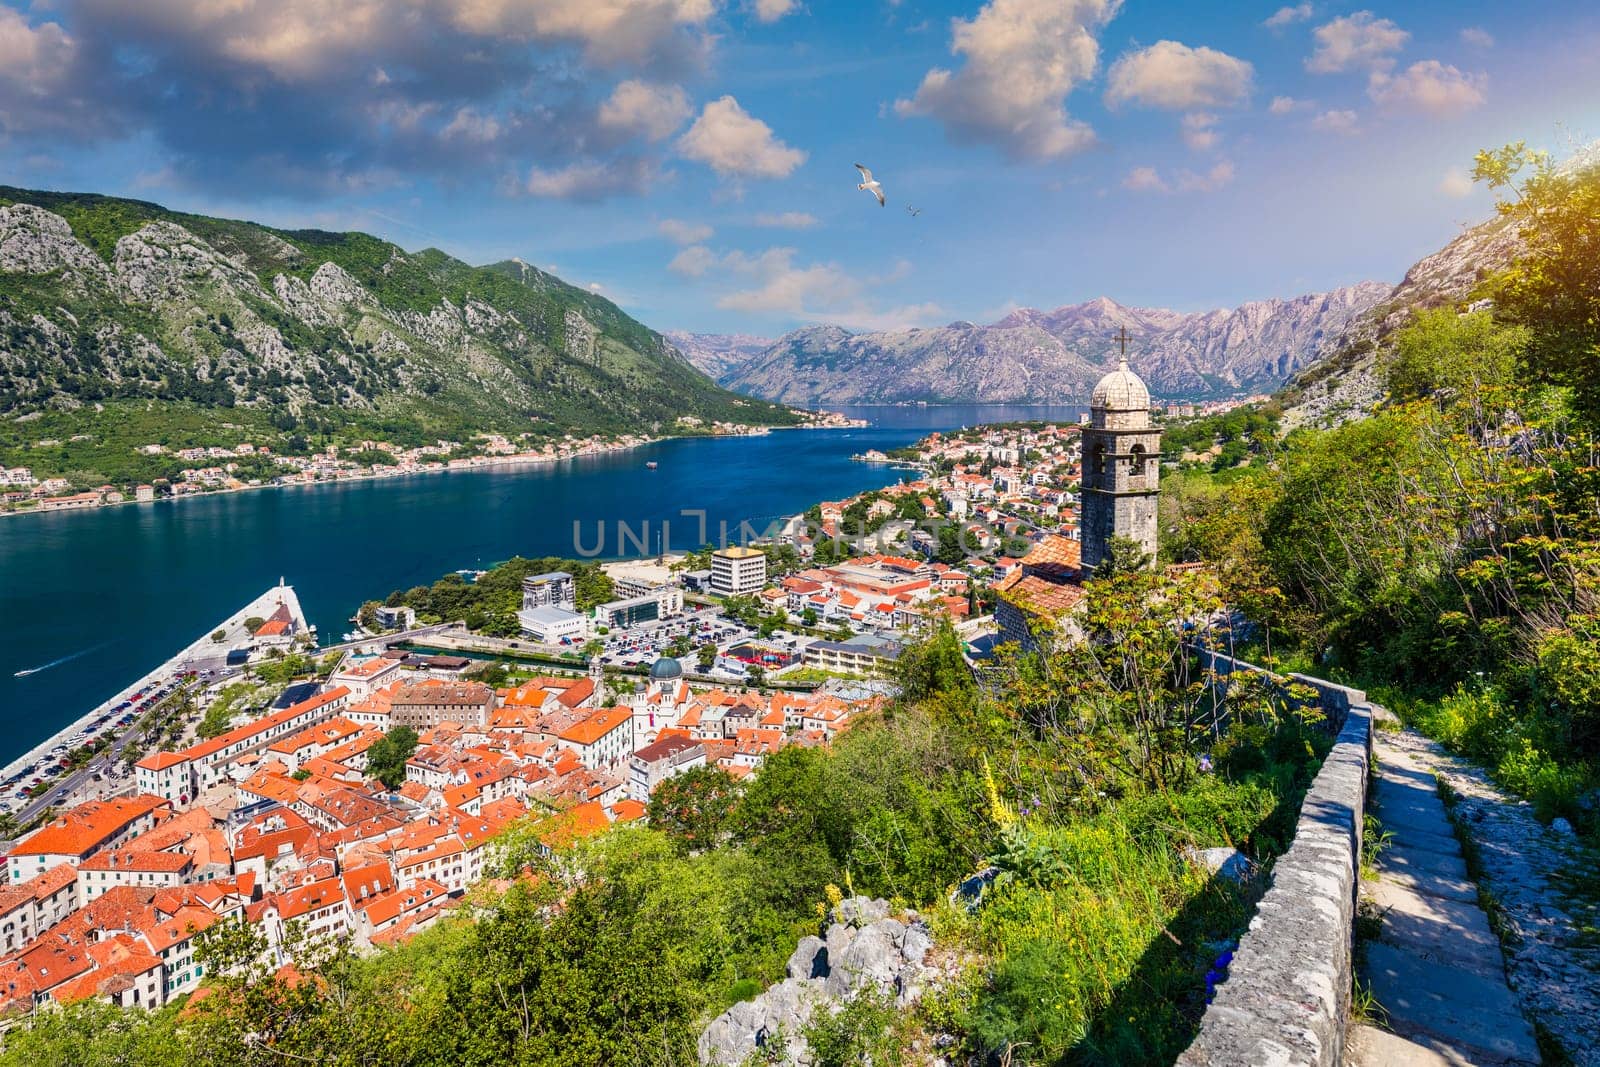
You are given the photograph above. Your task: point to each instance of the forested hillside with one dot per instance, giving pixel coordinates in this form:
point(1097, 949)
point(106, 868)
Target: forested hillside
point(133, 324)
point(1449, 544)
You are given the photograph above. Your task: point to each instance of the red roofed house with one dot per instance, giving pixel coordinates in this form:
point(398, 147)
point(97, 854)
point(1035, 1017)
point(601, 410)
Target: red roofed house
point(81, 832)
point(602, 739)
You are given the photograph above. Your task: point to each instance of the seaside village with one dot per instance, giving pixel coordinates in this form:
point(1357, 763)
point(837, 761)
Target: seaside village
point(277, 822)
point(216, 468)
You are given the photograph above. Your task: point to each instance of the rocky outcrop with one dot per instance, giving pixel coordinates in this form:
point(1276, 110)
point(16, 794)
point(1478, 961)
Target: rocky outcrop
point(105, 300)
point(861, 949)
point(36, 241)
point(1052, 356)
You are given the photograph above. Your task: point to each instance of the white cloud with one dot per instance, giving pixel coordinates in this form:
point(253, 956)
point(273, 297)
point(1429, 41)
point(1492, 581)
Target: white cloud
point(652, 111)
point(773, 10)
point(590, 180)
point(1477, 37)
point(1020, 60)
point(1144, 180)
point(609, 30)
point(787, 220)
point(471, 125)
point(1455, 183)
point(1287, 105)
point(1287, 16)
point(1209, 181)
point(734, 143)
point(684, 233)
point(1344, 122)
point(35, 64)
point(1361, 41)
point(771, 282)
point(309, 39)
point(1149, 180)
point(694, 261)
point(1199, 130)
point(1176, 77)
point(1430, 87)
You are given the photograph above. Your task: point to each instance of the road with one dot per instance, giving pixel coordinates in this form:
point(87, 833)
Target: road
point(104, 761)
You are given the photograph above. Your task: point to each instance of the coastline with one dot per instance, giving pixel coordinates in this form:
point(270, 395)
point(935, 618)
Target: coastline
point(201, 644)
point(522, 459)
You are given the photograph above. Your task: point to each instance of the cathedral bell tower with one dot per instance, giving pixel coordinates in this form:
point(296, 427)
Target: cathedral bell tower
point(1121, 465)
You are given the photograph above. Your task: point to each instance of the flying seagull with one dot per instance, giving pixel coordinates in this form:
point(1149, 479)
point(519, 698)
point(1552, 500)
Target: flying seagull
point(914, 211)
point(869, 185)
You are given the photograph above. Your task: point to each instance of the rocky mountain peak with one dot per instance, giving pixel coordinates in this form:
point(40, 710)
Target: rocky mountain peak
point(1034, 356)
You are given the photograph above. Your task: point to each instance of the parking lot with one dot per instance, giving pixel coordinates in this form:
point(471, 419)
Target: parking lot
point(641, 646)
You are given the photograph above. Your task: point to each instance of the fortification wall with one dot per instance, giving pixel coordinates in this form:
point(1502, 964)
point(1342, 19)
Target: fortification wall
point(1287, 996)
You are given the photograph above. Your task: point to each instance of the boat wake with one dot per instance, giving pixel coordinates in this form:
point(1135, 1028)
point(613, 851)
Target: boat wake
point(60, 661)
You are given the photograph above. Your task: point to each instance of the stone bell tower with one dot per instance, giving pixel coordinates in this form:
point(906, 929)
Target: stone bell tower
point(1121, 465)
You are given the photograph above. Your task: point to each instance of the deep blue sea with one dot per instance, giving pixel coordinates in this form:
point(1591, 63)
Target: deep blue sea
point(111, 593)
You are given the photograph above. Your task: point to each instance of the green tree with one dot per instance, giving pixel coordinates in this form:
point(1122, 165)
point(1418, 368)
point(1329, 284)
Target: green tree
point(1463, 356)
point(706, 656)
point(1553, 287)
point(386, 759)
point(695, 808)
point(1123, 554)
point(93, 1032)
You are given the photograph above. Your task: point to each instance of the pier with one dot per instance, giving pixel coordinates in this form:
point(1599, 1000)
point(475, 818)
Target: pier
point(203, 653)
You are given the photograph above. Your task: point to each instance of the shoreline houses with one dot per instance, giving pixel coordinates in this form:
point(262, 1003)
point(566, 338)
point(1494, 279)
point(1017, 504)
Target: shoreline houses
point(275, 822)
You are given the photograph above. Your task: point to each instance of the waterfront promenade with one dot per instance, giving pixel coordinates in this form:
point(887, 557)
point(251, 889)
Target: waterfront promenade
point(202, 653)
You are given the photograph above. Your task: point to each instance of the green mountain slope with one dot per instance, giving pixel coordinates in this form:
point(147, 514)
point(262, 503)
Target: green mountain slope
point(119, 311)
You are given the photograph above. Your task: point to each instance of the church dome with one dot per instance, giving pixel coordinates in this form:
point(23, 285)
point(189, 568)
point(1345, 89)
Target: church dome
point(666, 669)
point(1121, 390)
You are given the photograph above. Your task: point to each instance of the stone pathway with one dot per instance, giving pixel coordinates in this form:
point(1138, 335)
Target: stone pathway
point(1552, 954)
point(1436, 968)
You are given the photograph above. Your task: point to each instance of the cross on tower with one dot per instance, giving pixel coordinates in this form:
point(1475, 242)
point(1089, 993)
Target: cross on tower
point(1122, 339)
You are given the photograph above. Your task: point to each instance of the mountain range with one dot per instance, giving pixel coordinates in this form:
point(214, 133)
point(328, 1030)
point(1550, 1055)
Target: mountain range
point(115, 310)
point(1034, 356)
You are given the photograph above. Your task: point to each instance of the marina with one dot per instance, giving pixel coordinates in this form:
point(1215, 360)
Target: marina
point(115, 715)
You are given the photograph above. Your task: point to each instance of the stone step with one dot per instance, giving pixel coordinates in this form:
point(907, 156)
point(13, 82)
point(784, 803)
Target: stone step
point(1367, 1046)
point(1414, 814)
point(1445, 844)
point(1402, 857)
point(1446, 883)
point(1438, 930)
point(1446, 1006)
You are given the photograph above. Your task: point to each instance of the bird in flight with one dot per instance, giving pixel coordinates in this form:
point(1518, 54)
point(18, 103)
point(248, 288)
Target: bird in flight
point(913, 211)
point(875, 188)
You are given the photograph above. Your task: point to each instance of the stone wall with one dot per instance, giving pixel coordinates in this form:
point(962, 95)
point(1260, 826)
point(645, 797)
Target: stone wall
point(1287, 996)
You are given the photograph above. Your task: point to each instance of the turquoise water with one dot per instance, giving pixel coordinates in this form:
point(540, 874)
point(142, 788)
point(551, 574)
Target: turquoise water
point(120, 589)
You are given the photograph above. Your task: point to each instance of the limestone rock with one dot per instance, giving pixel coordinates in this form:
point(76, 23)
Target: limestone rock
point(879, 953)
point(870, 959)
point(809, 959)
point(36, 241)
point(779, 1014)
point(916, 944)
point(1227, 863)
point(860, 911)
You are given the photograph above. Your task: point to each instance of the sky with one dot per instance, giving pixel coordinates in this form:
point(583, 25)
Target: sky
point(692, 160)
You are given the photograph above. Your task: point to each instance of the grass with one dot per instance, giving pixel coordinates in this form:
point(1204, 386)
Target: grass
point(1100, 943)
point(1364, 1007)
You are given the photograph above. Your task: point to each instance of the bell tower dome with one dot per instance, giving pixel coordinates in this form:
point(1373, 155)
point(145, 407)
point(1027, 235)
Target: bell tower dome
point(1121, 465)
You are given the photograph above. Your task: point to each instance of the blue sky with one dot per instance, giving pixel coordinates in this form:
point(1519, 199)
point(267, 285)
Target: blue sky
point(691, 159)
